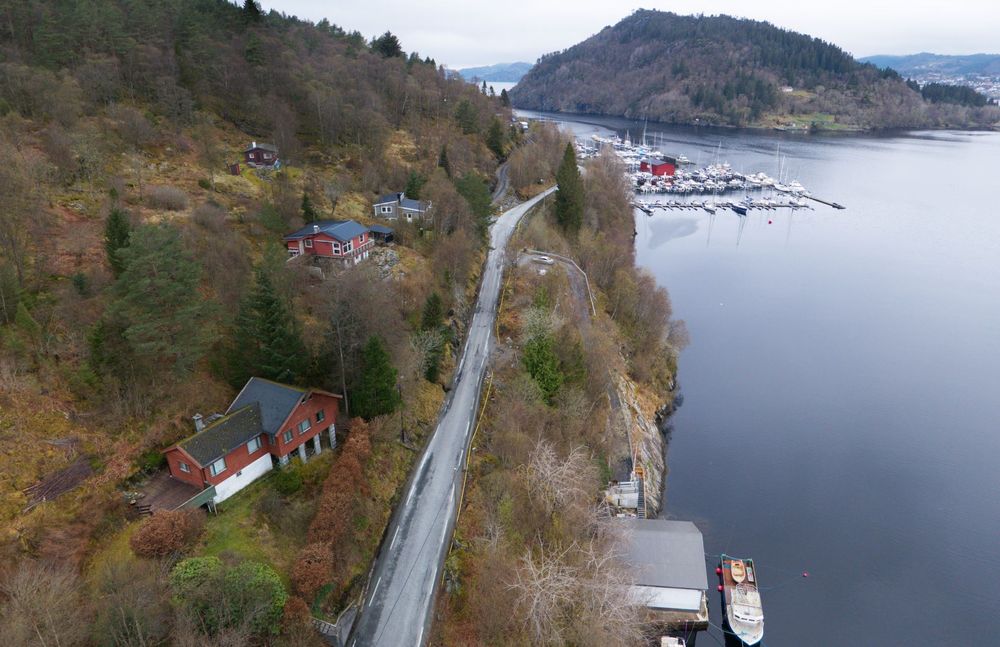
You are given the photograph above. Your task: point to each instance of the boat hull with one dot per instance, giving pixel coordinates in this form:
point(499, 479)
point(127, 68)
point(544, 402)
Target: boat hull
point(741, 607)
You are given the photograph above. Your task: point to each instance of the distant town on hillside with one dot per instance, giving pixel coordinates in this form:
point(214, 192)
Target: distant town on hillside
point(978, 71)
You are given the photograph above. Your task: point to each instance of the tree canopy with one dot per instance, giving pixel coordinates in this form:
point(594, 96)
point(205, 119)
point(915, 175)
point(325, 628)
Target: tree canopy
point(117, 230)
point(266, 341)
point(376, 393)
point(165, 320)
point(570, 196)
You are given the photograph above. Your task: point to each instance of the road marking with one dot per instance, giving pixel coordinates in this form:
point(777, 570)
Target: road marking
point(375, 590)
point(394, 538)
point(420, 638)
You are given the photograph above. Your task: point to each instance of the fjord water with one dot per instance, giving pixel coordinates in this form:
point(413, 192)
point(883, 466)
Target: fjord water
point(841, 411)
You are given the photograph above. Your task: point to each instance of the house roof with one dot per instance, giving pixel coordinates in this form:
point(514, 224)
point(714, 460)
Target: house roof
point(413, 205)
point(261, 146)
point(380, 229)
point(274, 400)
point(666, 554)
point(389, 197)
point(342, 230)
point(224, 435)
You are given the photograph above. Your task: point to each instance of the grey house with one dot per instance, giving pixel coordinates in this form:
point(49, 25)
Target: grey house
point(396, 206)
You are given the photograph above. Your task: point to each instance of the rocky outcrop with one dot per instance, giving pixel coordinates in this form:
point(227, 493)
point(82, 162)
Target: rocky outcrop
point(638, 414)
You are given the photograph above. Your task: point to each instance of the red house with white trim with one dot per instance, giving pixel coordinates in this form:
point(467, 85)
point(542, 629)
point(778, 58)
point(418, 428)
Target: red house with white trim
point(265, 425)
point(656, 166)
point(344, 240)
point(261, 156)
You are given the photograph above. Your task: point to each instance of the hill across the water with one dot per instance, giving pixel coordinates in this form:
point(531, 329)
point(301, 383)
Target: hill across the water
point(720, 70)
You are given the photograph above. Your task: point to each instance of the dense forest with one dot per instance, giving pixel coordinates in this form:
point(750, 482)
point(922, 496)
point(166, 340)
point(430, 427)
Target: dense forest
point(142, 282)
point(944, 93)
point(728, 71)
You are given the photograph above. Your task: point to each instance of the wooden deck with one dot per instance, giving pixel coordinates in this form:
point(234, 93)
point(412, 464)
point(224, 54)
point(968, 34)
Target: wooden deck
point(163, 492)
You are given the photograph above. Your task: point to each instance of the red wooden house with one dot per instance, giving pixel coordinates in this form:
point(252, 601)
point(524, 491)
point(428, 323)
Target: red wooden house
point(265, 425)
point(340, 239)
point(656, 166)
point(261, 155)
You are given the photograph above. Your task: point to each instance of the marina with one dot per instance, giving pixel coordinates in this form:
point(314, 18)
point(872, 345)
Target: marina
point(651, 172)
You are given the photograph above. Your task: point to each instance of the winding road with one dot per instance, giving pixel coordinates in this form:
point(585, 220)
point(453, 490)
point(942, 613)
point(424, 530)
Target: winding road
point(399, 600)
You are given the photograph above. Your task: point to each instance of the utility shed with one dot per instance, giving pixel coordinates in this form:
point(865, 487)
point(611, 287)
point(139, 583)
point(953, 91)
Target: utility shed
point(668, 560)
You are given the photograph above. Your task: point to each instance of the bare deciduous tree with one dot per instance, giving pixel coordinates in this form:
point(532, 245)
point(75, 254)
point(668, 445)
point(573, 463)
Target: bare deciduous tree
point(42, 607)
point(556, 481)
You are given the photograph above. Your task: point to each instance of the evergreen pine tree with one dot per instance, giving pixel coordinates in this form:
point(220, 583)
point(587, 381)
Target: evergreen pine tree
point(251, 10)
point(387, 45)
point(375, 394)
point(495, 138)
point(569, 197)
point(443, 160)
point(10, 293)
point(542, 364)
point(467, 117)
point(433, 312)
point(165, 318)
point(477, 194)
point(414, 184)
point(117, 230)
point(504, 98)
point(266, 342)
point(308, 210)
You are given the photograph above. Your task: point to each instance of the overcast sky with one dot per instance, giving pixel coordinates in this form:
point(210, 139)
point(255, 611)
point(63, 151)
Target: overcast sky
point(465, 33)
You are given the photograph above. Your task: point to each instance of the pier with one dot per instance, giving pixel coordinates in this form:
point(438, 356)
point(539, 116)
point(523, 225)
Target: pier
point(648, 207)
point(829, 204)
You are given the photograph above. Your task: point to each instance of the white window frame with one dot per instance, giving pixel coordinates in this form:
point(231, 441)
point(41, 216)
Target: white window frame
point(309, 242)
point(320, 415)
point(287, 436)
point(184, 467)
point(347, 247)
point(214, 468)
point(386, 209)
point(307, 427)
point(253, 444)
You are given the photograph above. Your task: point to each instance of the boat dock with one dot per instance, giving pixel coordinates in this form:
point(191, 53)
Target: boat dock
point(829, 204)
point(648, 207)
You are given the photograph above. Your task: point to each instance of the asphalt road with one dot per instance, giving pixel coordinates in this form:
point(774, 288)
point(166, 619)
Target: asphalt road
point(502, 182)
point(398, 603)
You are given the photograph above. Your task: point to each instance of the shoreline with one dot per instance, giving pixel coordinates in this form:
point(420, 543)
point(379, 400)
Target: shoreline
point(846, 131)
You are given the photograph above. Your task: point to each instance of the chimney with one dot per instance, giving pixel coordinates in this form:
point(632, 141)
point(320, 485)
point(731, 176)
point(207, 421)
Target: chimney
point(199, 424)
point(315, 229)
point(253, 144)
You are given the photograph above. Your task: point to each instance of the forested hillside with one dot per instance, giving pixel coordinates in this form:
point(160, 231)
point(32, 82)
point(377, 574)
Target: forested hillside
point(728, 71)
point(142, 282)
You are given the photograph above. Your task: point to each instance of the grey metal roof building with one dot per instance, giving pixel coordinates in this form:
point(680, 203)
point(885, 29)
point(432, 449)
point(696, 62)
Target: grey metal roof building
point(668, 559)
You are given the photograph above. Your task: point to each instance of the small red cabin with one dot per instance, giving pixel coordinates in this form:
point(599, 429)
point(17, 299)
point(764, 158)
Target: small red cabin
point(665, 166)
point(261, 155)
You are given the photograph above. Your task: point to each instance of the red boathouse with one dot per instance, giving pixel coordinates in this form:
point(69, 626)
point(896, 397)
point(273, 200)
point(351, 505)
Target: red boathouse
point(656, 166)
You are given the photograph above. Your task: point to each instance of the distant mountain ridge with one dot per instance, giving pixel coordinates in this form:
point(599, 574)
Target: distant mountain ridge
point(500, 72)
point(721, 70)
point(924, 62)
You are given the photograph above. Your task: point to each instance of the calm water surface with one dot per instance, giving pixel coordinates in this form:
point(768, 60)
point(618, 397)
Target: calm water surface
point(841, 409)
